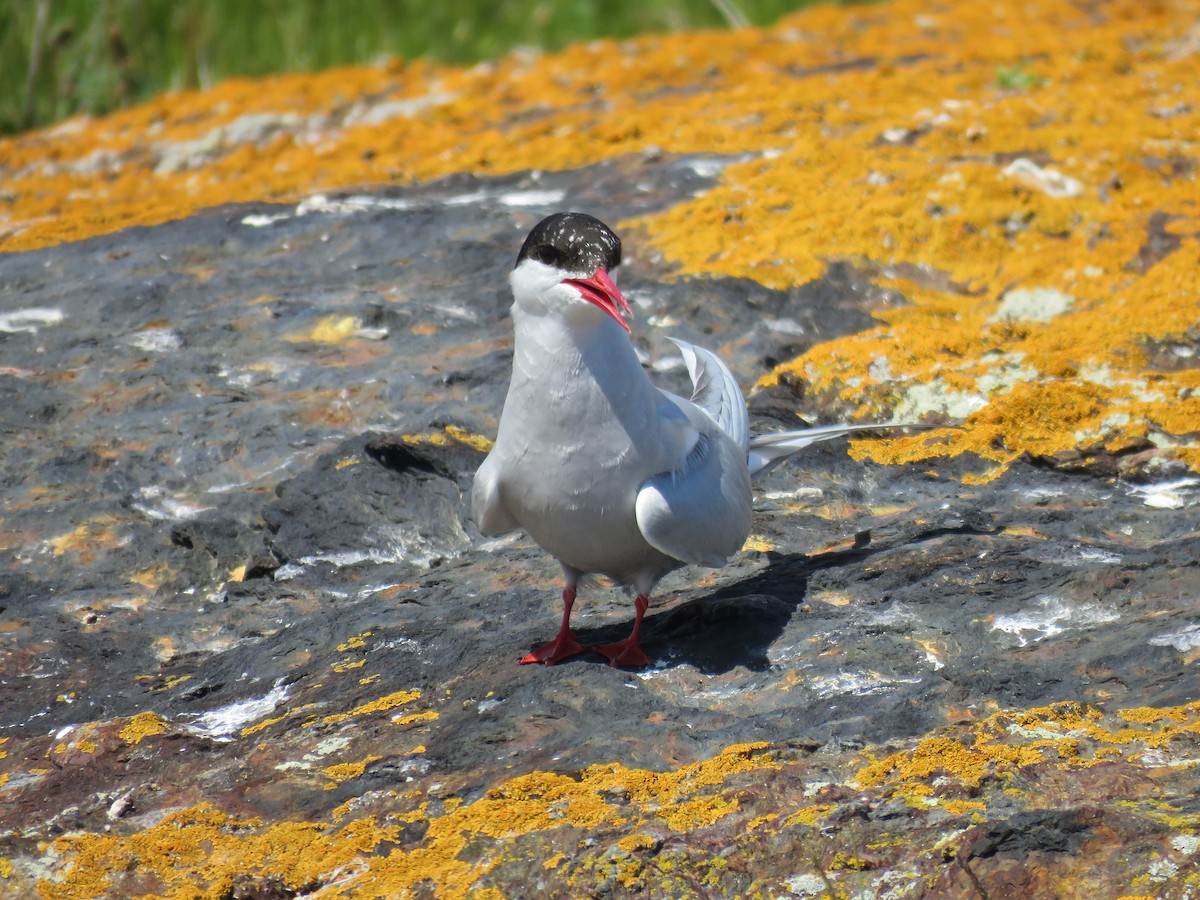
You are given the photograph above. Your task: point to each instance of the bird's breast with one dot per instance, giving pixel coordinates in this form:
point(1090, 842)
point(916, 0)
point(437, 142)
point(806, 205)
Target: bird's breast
point(578, 437)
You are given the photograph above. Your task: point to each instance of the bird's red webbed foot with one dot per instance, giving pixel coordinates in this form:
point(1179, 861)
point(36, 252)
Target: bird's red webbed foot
point(565, 645)
point(562, 647)
point(628, 653)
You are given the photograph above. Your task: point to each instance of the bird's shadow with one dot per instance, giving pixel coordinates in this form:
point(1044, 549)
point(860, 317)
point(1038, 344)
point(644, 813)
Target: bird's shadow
point(737, 624)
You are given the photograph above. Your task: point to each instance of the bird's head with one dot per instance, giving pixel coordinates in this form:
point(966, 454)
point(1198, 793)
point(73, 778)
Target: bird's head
point(564, 266)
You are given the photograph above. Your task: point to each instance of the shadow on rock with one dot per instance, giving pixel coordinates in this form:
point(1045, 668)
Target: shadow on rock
point(737, 625)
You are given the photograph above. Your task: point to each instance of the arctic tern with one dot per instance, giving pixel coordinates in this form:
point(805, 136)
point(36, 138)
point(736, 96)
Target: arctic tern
point(606, 472)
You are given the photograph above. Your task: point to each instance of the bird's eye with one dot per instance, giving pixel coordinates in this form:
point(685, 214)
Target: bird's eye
point(549, 255)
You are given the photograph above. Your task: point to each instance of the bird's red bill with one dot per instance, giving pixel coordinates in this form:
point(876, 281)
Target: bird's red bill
point(600, 290)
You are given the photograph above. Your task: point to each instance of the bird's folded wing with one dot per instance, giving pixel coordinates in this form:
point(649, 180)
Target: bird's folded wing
point(487, 506)
point(700, 513)
point(716, 391)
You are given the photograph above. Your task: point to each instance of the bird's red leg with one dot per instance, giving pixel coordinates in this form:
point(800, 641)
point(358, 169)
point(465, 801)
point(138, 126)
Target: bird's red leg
point(563, 646)
point(627, 652)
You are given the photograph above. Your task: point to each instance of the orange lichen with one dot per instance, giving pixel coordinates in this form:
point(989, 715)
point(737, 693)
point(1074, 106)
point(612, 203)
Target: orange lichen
point(87, 539)
point(354, 642)
point(478, 441)
point(259, 726)
point(391, 701)
point(632, 843)
point(345, 771)
point(1005, 742)
point(887, 136)
point(1148, 715)
point(698, 813)
point(963, 807)
point(810, 815)
point(200, 851)
point(330, 330)
point(427, 715)
point(142, 726)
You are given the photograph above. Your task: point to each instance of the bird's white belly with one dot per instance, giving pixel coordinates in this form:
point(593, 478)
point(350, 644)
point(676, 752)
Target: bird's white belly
point(590, 525)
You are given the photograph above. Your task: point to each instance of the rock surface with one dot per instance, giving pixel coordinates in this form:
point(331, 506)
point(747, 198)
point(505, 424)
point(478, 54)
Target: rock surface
point(251, 645)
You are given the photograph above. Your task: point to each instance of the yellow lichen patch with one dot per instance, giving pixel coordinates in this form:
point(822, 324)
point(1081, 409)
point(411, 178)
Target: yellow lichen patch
point(555, 861)
point(1043, 229)
point(1148, 715)
point(963, 807)
point(87, 538)
point(259, 726)
point(946, 756)
point(1019, 223)
point(330, 330)
point(698, 813)
point(809, 815)
point(391, 701)
point(151, 577)
point(173, 681)
point(478, 441)
point(844, 861)
point(346, 462)
point(632, 843)
point(345, 665)
point(6, 868)
point(142, 726)
point(757, 544)
point(434, 438)
point(345, 771)
point(427, 715)
point(1005, 742)
point(200, 851)
point(355, 642)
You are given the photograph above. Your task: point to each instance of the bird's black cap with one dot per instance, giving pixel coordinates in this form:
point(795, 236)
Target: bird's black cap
point(574, 242)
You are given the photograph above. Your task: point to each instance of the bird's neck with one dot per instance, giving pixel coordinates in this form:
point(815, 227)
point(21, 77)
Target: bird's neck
point(556, 347)
point(577, 371)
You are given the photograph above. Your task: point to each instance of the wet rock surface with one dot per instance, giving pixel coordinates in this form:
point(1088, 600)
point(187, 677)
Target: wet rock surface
point(238, 569)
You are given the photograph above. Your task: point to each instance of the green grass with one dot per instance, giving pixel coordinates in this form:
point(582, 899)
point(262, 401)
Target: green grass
point(61, 57)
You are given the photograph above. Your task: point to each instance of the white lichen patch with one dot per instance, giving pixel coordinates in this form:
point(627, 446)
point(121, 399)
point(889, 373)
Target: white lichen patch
point(935, 398)
point(1032, 305)
point(1049, 181)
